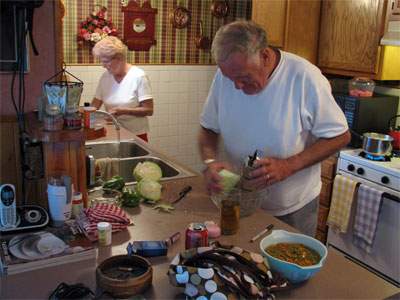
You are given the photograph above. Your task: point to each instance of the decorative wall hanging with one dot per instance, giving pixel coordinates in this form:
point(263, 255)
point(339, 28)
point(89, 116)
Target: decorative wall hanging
point(139, 26)
point(180, 17)
point(219, 8)
point(96, 27)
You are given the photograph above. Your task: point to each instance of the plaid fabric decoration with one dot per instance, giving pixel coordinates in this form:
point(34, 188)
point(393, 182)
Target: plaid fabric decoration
point(342, 199)
point(369, 202)
point(102, 212)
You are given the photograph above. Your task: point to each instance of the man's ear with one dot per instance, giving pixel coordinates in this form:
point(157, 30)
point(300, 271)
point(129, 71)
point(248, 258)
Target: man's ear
point(264, 56)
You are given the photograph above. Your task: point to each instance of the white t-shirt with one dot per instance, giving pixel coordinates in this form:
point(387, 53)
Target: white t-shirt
point(294, 109)
point(134, 88)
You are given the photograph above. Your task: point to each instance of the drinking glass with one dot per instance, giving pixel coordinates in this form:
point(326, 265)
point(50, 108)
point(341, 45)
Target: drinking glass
point(229, 211)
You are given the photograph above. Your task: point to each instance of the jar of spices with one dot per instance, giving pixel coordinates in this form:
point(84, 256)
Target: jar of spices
point(53, 119)
point(72, 117)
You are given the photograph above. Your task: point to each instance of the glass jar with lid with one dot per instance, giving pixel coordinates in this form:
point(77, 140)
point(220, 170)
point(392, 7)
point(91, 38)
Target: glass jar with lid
point(72, 117)
point(53, 119)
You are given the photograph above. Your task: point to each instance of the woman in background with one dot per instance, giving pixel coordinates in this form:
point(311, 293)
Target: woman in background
point(124, 89)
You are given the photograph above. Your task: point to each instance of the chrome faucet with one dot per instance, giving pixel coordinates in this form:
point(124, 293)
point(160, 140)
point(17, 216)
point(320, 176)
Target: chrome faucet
point(100, 112)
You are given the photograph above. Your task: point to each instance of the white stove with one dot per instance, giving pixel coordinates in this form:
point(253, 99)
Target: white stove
point(384, 260)
point(386, 174)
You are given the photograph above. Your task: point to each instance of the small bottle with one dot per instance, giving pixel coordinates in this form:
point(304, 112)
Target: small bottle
point(77, 204)
point(88, 116)
point(104, 233)
point(72, 117)
point(53, 119)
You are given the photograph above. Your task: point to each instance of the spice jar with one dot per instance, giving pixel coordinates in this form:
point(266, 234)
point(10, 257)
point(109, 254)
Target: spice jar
point(104, 233)
point(72, 117)
point(53, 119)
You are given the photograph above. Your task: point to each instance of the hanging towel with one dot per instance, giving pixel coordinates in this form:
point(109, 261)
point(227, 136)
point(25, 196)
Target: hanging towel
point(108, 167)
point(368, 204)
point(342, 198)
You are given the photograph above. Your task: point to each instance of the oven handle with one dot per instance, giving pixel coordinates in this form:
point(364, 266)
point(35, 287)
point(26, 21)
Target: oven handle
point(384, 195)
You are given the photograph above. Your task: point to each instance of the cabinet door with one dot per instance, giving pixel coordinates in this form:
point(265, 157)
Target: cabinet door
point(271, 15)
point(350, 33)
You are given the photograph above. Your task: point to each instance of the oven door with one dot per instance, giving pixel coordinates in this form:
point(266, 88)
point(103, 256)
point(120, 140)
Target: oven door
point(384, 259)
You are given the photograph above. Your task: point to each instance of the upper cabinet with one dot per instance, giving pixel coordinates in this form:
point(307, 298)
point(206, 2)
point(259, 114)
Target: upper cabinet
point(349, 41)
point(291, 25)
point(340, 37)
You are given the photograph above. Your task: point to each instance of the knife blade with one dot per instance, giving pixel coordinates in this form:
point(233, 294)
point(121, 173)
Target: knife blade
point(183, 193)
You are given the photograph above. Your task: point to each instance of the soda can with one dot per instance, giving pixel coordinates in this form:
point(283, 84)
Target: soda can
point(196, 236)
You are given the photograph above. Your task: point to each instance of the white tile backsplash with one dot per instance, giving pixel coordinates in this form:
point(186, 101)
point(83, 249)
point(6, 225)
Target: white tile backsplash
point(179, 93)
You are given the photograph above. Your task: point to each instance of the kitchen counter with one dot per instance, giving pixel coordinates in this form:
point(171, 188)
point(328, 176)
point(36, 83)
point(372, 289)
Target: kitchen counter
point(338, 279)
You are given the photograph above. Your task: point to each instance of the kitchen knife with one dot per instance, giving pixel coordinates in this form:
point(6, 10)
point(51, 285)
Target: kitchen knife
point(182, 193)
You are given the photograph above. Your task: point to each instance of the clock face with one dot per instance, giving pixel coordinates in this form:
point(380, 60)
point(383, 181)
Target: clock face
point(139, 25)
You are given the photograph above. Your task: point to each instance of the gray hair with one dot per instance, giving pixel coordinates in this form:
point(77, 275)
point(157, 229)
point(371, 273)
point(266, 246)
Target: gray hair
point(109, 47)
point(240, 36)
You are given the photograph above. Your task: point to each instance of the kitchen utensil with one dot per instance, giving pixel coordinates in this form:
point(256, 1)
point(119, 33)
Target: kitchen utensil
point(202, 41)
point(179, 17)
point(59, 193)
point(377, 144)
point(291, 271)
point(219, 8)
point(183, 193)
point(395, 132)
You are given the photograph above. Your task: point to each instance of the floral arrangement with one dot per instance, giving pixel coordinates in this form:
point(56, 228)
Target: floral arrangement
point(96, 27)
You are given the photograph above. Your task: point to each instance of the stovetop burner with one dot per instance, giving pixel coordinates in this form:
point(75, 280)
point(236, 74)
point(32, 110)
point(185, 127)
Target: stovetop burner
point(374, 157)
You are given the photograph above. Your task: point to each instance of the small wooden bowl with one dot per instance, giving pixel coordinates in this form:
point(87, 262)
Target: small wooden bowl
point(114, 275)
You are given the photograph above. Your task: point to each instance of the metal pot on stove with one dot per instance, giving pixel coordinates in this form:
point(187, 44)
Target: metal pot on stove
point(377, 144)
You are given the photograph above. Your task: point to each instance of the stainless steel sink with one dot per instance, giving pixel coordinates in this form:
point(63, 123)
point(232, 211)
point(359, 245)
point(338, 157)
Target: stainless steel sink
point(132, 152)
point(111, 149)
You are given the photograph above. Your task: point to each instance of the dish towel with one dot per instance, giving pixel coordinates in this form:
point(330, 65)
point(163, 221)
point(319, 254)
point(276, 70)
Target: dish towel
point(342, 199)
point(108, 167)
point(102, 212)
point(368, 205)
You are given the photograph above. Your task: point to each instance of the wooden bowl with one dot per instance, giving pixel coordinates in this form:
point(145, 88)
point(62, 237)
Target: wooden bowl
point(124, 276)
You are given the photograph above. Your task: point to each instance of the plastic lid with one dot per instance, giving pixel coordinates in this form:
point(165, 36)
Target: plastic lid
point(52, 109)
point(103, 225)
point(72, 108)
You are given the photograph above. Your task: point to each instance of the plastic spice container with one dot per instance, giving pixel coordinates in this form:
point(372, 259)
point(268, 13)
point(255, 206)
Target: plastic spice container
point(53, 119)
point(77, 204)
point(104, 233)
point(88, 116)
point(72, 117)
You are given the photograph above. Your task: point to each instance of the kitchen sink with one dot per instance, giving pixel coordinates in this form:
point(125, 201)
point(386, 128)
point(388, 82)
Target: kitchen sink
point(111, 149)
point(132, 152)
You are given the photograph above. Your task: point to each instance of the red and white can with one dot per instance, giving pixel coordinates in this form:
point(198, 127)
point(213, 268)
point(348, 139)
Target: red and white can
point(196, 236)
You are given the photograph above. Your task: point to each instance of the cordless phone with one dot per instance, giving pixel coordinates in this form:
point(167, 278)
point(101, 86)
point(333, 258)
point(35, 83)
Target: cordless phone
point(8, 207)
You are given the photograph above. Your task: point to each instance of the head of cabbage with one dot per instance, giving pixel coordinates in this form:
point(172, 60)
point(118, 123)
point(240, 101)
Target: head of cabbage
point(147, 169)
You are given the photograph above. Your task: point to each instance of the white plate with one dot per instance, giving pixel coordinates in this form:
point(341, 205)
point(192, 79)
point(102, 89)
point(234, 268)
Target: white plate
point(50, 245)
point(17, 241)
point(28, 247)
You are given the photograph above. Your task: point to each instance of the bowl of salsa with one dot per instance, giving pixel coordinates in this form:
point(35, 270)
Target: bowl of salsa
point(296, 256)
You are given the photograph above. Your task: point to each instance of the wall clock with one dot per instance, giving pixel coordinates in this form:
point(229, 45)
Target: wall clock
point(139, 26)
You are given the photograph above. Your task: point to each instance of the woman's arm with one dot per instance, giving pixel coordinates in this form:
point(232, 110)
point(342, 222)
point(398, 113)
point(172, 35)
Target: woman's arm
point(145, 109)
point(96, 103)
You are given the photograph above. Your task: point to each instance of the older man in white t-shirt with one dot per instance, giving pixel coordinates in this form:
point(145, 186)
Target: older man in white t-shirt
point(263, 98)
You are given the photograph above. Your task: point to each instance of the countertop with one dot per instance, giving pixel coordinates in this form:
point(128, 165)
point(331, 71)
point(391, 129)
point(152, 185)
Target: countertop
point(338, 279)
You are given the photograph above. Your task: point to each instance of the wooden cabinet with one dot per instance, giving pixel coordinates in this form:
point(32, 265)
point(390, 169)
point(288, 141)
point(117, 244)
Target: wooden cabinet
point(291, 25)
point(394, 10)
point(328, 171)
point(349, 40)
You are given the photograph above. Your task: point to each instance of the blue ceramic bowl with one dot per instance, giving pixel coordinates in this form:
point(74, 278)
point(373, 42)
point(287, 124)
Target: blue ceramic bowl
point(291, 271)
